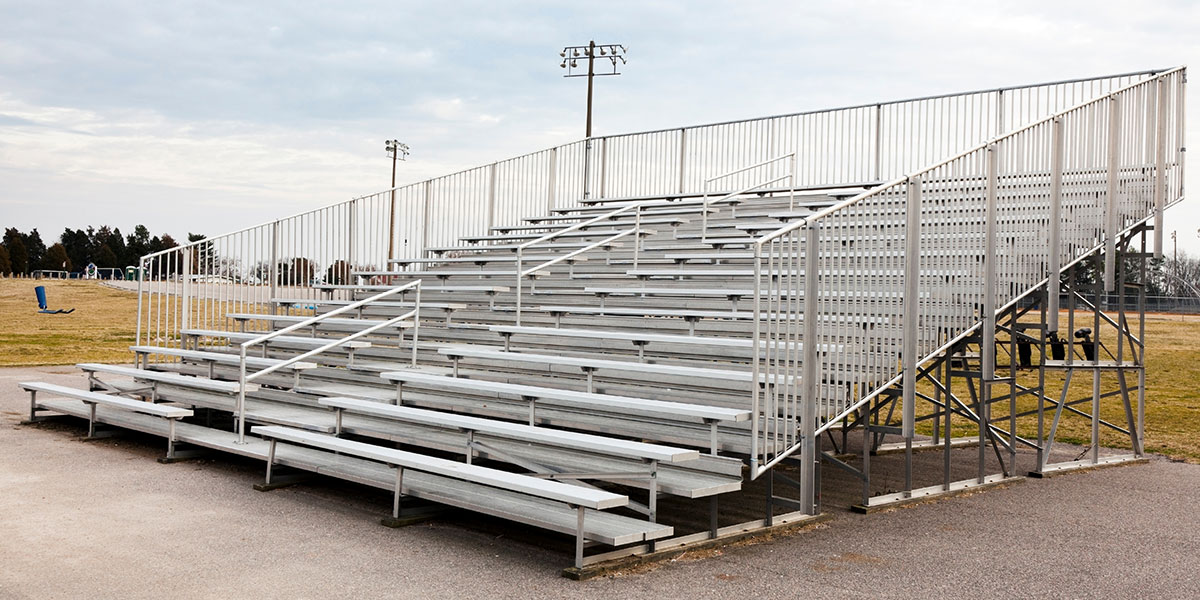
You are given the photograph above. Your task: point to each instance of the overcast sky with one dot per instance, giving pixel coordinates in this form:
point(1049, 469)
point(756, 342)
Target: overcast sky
point(209, 116)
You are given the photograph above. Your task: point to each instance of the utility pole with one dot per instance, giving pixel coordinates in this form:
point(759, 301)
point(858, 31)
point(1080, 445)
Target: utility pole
point(398, 151)
point(592, 51)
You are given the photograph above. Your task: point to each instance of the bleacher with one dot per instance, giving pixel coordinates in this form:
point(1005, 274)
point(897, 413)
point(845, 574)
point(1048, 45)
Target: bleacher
point(551, 374)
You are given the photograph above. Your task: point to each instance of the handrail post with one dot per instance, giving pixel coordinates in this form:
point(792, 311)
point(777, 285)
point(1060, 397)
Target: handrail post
point(241, 399)
point(137, 337)
point(1112, 208)
point(1160, 165)
point(1053, 251)
point(186, 301)
point(637, 236)
point(792, 200)
point(416, 324)
point(520, 277)
point(809, 377)
point(756, 366)
point(273, 269)
point(912, 270)
point(988, 345)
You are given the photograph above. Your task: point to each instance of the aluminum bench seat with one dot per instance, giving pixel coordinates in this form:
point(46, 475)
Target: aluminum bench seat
point(551, 409)
point(551, 490)
point(697, 477)
point(437, 306)
point(485, 482)
point(471, 247)
point(200, 383)
point(432, 288)
point(624, 219)
point(600, 364)
point(675, 411)
point(656, 209)
point(332, 323)
point(527, 433)
point(282, 340)
point(641, 338)
point(256, 362)
point(481, 259)
point(581, 233)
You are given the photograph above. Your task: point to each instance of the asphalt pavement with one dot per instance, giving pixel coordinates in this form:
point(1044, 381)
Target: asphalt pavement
point(103, 519)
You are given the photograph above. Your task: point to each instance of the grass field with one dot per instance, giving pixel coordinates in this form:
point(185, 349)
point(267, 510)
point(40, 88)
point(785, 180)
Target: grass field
point(102, 329)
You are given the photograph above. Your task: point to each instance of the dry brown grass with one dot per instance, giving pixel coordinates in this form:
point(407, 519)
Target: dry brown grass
point(101, 328)
point(1172, 393)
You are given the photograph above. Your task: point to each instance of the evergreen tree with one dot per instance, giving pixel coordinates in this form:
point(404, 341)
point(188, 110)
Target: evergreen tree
point(137, 245)
point(35, 249)
point(56, 258)
point(75, 241)
point(17, 255)
point(5, 264)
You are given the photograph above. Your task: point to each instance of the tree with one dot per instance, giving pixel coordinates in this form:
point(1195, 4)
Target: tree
point(5, 264)
point(35, 249)
point(17, 255)
point(137, 245)
point(56, 259)
point(76, 243)
point(105, 259)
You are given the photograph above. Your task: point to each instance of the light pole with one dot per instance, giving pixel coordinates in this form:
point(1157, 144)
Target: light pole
point(398, 151)
point(570, 61)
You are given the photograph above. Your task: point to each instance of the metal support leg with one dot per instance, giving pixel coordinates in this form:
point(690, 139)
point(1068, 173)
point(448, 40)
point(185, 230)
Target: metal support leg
point(579, 538)
point(398, 492)
point(270, 461)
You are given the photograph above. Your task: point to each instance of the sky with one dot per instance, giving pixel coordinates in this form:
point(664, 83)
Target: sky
point(206, 117)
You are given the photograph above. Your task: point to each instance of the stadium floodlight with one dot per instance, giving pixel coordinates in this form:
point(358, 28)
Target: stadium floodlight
point(613, 52)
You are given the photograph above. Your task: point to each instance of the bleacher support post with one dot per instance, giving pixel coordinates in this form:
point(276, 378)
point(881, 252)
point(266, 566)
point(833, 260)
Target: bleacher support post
point(809, 378)
point(912, 270)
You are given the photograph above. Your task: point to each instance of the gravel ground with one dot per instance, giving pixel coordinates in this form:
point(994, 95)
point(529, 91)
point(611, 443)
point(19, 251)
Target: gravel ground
point(103, 519)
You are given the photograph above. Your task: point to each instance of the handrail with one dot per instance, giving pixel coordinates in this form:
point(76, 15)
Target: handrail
point(1149, 72)
point(606, 216)
point(636, 230)
point(243, 378)
point(888, 184)
point(791, 175)
point(802, 249)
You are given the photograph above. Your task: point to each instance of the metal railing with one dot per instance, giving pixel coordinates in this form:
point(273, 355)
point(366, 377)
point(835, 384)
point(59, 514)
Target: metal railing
point(902, 272)
point(635, 231)
point(789, 176)
point(197, 284)
point(244, 378)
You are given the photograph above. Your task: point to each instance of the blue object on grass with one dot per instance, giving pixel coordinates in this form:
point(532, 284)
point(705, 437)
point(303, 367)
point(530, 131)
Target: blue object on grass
point(41, 298)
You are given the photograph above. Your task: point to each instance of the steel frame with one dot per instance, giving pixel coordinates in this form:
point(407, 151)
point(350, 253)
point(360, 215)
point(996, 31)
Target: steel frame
point(1120, 361)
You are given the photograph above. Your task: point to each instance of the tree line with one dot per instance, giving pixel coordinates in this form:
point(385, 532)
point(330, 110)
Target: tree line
point(23, 253)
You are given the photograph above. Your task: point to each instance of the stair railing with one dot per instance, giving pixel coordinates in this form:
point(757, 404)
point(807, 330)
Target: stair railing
point(635, 231)
point(244, 378)
point(789, 176)
point(934, 256)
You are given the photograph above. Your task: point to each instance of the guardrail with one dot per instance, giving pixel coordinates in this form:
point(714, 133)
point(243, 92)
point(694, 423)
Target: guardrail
point(196, 284)
point(943, 250)
point(244, 378)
